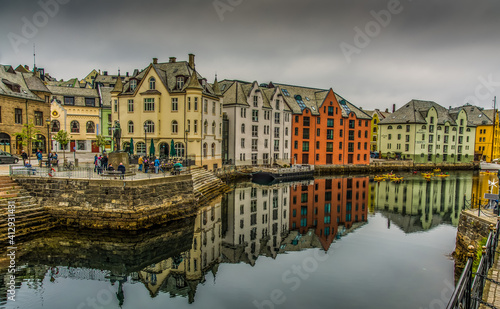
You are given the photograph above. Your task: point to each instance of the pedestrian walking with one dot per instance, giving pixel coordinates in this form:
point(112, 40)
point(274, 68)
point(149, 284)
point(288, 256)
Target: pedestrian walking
point(157, 165)
point(39, 157)
point(141, 160)
point(24, 156)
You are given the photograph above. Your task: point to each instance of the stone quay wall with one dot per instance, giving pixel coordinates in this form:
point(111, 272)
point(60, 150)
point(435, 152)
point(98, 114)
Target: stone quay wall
point(386, 166)
point(471, 230)
point(114, 204)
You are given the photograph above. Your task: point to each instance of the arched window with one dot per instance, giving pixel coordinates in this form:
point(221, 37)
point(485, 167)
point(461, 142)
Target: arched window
point(150, 126)
point(75, 126)
point(130, 127)
point(205, 127)
point(213, 127)
point(189, 126)
point(242, 128)
point(90, 127)
point(140, 147)
point(205, 146)
point(56, 126)
point(389, 127)
point(175, 127)
point(152, 83)
point(213, 150)
point(399, 127)
point(179, 149)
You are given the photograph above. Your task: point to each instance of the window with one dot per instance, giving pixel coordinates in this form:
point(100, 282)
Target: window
point(329, 147)
point(330, 110)
point(277, 132)
point(90, 127)
point(196, 127)
point(329, 123)
point(255, 101)
point(205, 127)
point(242, 128)
point(38, 118)
point(130, 105)
point(213, 150)
point(149, 104)
point(75, 126)
point(305, 146)
point(152, 83)
point(90, 102)
point(305, 133)
point(18, 116)
point(213, 127)
point(255, 131)
point(130, 127)
point(255, 115)
point(150, 126)
point(329, 134)
point(205, 106)
point(141, 147)
point(213, 107)
point(243, 113)
point(180, 82)
point(255, 143)
point(70, 100)
point(205, 149)
point(133, 84)
point(175, 104)
point(116, 105)
point(351, 124)
point(56, 126)
point(306, 121)
point(242, 143)
point(175, 127)
point(277, 118)
point(195, 104)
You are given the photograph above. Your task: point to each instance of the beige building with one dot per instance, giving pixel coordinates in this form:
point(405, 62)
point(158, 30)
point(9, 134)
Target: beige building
point(171, 104)
point(76, 110)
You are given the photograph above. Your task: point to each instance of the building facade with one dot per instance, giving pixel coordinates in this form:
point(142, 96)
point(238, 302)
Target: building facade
point(377, 115)
point(426, 132)
point(259, 124)
point(77, 111)
point(24, 99)
point(170, 104)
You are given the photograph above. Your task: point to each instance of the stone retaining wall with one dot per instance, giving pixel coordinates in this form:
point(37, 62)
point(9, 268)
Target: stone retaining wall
point(386, 166)
point(114, 204)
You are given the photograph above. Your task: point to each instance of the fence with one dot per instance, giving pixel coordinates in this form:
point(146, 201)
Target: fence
point(82, 172)
point(468, 292)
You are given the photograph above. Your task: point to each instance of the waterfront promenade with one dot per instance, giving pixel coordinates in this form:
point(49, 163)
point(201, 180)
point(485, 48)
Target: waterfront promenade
point(491, 293)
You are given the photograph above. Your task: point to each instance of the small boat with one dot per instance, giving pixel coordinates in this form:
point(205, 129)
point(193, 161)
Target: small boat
point(489, 166)
point(295, 172)
point(397, 179)
point(379, 178)
point(442, 175)
point(437, 170)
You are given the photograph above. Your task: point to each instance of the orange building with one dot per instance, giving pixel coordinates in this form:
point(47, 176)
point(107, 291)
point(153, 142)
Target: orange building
point(330, 206)
point(326, 129)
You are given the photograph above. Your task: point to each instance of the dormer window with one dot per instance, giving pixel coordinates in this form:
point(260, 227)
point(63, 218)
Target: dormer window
point(12, 86)
point(152, 83)
point(133, 84)
point(180, 82)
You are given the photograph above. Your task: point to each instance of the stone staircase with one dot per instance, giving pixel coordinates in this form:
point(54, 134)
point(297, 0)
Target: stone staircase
point(206, 185)
point(30, 217)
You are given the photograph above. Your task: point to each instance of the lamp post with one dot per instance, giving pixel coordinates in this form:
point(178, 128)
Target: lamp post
point(145, 139)
point(49, 150)
point(186, 150)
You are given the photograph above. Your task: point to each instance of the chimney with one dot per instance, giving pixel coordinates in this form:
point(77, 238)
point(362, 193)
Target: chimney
point(126, 74)
point(386, 110)
point(172, 59)
point(393, 108)
point(155, 60)
point(105, 73)
point(191, 61)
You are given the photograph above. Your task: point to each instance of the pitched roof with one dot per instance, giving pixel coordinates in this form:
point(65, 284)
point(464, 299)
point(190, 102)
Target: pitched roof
point(300, 98)
point(11, 80)
point(476, 116)
point(415, 111)
point(233, 92)
point(70, 91)
point(35, 83)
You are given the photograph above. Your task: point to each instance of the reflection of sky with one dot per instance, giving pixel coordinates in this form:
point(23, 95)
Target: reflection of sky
point(373, 267)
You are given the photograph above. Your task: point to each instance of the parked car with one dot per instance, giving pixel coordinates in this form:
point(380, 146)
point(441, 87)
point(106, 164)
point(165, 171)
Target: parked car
point(374, 154)
point(6, 157)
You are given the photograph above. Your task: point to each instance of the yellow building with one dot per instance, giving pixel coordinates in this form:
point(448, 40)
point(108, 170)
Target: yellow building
point(487, 142)
point(377, 116)
point(171, 104)
point(76, 110)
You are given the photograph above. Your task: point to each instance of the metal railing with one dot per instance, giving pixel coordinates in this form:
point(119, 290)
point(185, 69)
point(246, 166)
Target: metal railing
point(468, 292)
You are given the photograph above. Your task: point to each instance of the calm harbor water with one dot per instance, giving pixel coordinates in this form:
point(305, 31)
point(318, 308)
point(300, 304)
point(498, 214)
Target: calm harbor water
point(340, 242)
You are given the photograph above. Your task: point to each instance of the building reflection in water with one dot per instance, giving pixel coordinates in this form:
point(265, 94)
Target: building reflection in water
point(418, 205)
point(179, 275)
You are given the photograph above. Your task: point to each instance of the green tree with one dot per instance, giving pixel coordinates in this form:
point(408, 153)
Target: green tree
point(63, 138)
point(100, 142)
point(28, 135)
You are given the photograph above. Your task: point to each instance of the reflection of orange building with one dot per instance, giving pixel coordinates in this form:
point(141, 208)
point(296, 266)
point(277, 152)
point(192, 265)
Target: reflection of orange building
point(329, 205)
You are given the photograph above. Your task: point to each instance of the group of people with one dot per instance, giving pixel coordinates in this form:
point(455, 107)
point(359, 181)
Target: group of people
point(146, 163)
point(102, 164)
point(52, 158)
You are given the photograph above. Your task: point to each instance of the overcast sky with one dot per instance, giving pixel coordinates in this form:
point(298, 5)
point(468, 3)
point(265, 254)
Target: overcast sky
point(373, 53)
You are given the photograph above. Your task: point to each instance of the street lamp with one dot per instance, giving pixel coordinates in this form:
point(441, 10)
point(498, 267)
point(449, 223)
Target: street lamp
point(49, 150)
point(186, 150)
point(145, 139)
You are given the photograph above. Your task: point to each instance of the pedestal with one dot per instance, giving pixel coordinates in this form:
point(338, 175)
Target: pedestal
point(116, 158)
